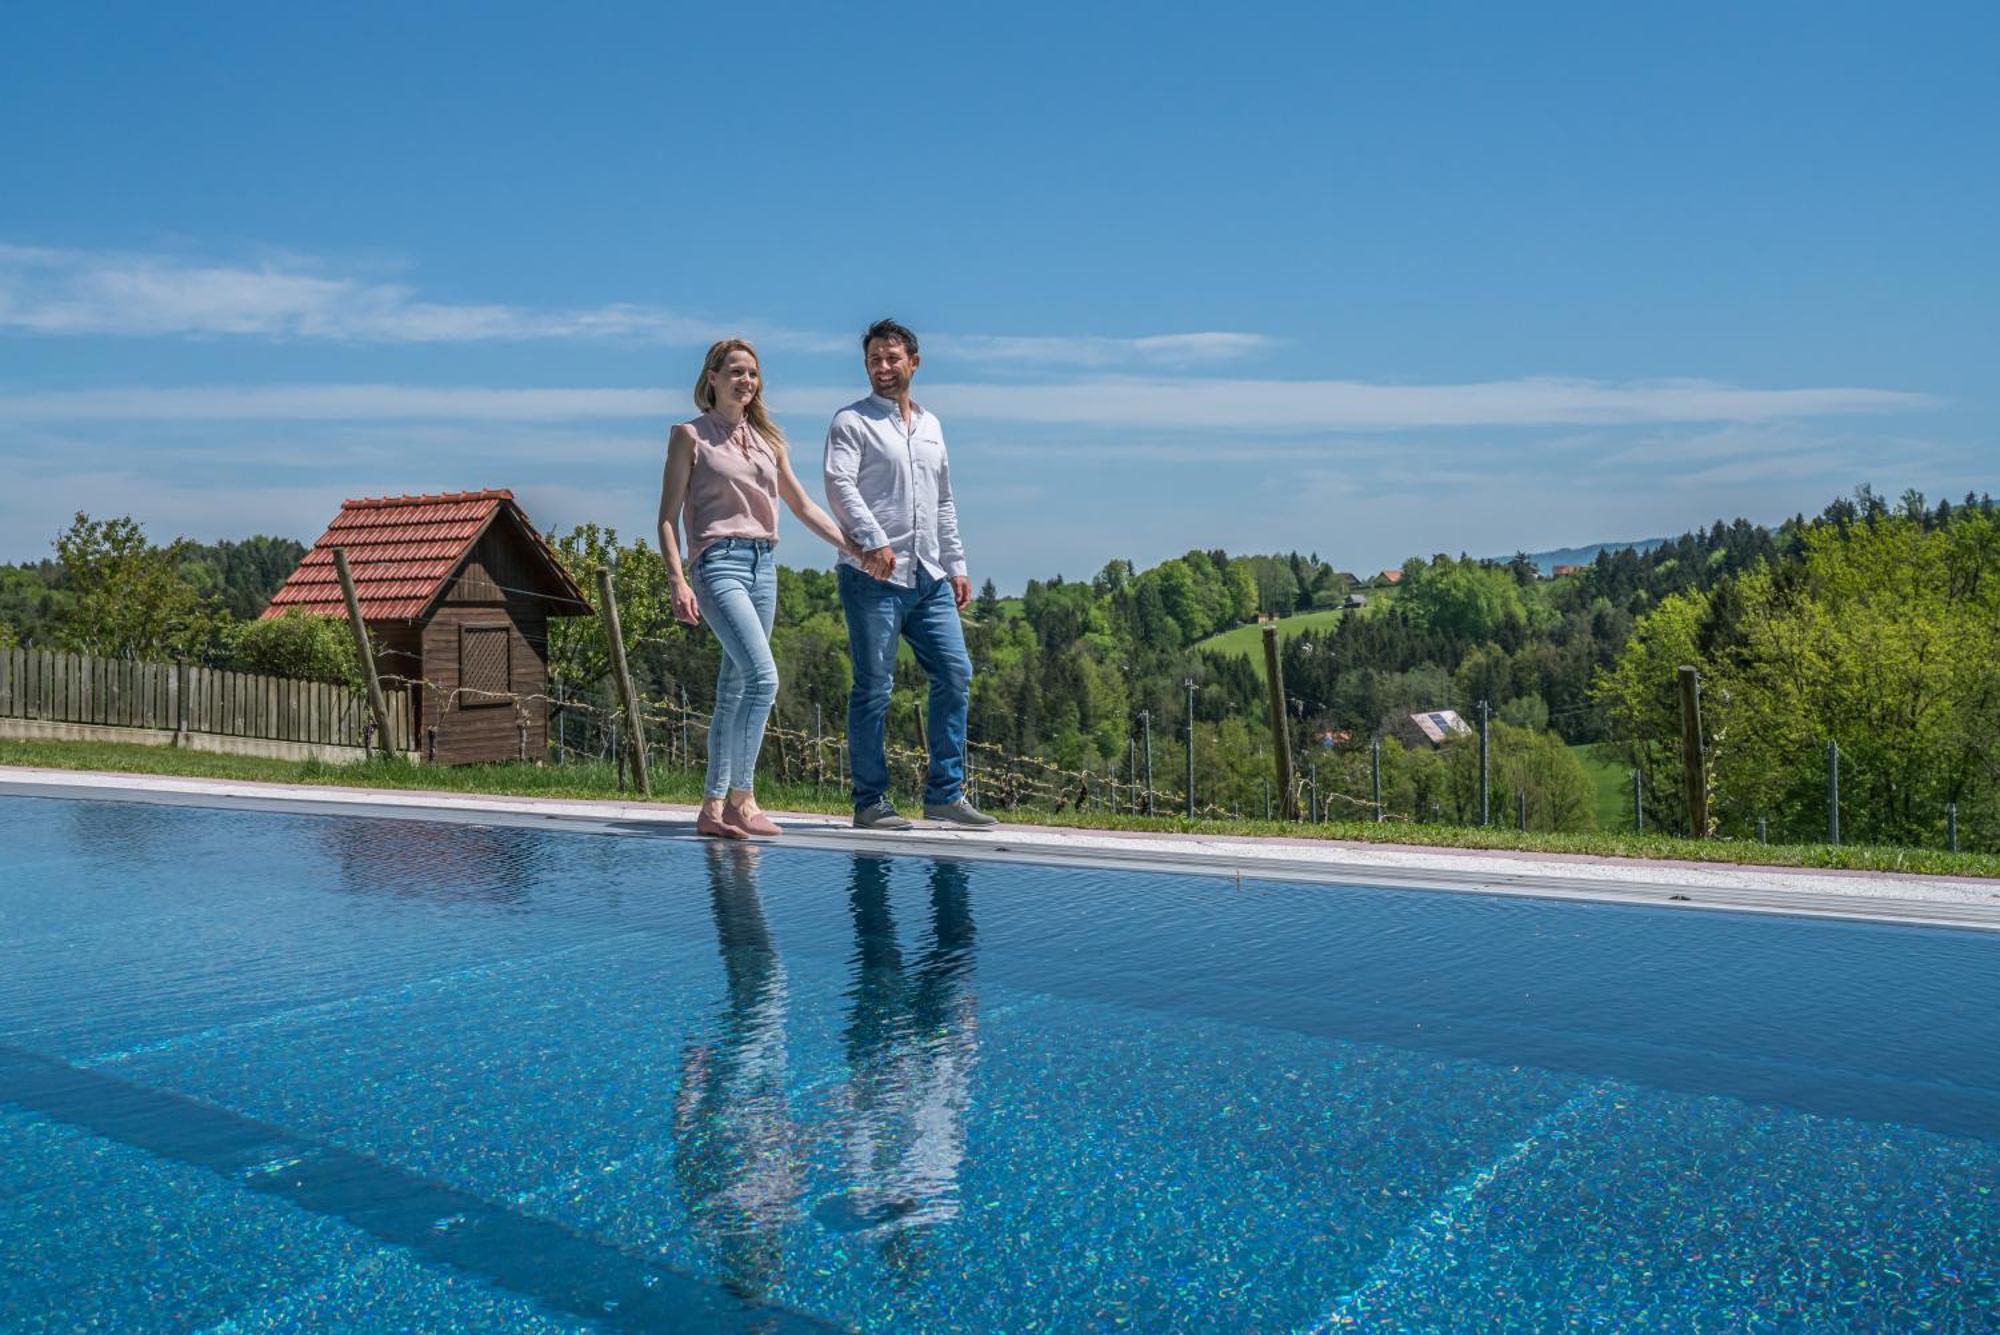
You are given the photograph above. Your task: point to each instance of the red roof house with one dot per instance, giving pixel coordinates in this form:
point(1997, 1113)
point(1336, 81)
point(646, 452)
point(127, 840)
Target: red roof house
point(456, 591)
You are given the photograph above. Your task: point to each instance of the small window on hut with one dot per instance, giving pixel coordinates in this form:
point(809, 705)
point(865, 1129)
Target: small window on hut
point(483, 675)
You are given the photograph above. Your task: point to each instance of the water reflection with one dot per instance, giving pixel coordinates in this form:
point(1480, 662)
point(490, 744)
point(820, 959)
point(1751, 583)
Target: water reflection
point(898, 1128)
point(912, 1041)
point(737, 1153)
point(473, 864)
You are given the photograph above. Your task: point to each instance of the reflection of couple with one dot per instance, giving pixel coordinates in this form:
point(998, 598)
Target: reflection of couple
point(911, 1040)
point(902, 572)
point(737, 1154)
point(912, 1037)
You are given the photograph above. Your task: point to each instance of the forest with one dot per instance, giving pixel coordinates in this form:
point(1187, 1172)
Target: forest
point(1869, 625)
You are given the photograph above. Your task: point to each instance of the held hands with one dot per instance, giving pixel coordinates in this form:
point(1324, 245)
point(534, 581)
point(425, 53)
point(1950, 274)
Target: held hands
point(879, 563)
point(686, 610)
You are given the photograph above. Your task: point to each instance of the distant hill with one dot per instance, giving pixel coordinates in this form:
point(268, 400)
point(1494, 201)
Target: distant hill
point(1583, 556)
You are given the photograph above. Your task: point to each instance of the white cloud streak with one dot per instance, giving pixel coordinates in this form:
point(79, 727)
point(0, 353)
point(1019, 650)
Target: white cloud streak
point(1234, 406)
point(1347, 405)
point(60, 292)
point(1084, 351)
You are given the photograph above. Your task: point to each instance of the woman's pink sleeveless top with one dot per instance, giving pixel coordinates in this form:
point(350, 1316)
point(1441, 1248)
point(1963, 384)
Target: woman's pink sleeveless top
point(733, 492)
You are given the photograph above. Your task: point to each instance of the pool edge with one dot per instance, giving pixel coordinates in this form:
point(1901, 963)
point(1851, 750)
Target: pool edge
point(1797, 892)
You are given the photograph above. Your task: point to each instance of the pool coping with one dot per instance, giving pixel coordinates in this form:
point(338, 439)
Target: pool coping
point(1939, 901)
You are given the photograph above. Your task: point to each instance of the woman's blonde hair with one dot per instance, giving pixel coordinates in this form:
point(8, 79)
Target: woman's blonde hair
point(756, 413)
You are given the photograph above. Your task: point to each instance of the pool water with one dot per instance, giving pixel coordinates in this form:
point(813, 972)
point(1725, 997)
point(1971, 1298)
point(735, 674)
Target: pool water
point(260, 1072)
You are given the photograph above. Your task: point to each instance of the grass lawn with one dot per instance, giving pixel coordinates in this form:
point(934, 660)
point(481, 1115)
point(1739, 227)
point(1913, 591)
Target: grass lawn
point(1248, 641)
point(596, 780)
point(1613, 783)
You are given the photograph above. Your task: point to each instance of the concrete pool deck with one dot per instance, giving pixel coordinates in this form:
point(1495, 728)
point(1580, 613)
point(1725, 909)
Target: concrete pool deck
point(1946, 901)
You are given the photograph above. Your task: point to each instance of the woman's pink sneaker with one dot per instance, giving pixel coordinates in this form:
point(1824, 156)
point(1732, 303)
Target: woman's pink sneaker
point(717, 828)
point(759, 823)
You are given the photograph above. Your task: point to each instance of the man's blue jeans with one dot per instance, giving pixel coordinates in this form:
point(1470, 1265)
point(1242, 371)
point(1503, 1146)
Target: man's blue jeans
point(877, 614)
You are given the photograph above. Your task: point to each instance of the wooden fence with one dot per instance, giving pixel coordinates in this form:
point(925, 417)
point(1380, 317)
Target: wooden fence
point(45, 686)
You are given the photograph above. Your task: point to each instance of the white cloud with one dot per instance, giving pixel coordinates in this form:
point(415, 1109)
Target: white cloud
point(1234, 406)
point(62, 292)
point(1347, 405)
point(1089, 351)
point(349, 403)
point(47, 291)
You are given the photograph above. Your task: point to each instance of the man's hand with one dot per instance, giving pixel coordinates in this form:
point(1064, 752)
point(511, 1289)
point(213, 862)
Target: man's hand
point(879, 563)
point(961, 591)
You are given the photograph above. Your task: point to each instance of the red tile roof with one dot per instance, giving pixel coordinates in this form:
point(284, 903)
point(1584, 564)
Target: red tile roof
point(402, 550)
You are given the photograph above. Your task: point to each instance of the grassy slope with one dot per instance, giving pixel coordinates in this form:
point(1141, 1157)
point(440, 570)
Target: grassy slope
point(1614, 787)
point(596, 781)
point(1248, 641)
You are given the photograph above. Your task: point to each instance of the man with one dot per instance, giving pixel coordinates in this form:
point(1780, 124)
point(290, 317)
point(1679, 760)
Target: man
point(889, 486)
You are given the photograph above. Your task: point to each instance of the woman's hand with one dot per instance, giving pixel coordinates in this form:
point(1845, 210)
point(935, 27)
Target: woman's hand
point(686, 610)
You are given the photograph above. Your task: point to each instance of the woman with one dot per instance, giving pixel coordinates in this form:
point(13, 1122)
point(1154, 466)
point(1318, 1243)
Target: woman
point(726, 471)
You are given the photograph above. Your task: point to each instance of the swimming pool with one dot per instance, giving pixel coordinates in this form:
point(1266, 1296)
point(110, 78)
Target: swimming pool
point(259, 1071)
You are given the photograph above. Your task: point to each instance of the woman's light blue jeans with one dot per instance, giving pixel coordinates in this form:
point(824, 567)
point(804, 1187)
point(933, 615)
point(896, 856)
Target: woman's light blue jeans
point(736, 584)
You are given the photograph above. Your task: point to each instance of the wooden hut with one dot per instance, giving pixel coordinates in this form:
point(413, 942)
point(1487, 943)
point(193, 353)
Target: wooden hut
point(456, 591)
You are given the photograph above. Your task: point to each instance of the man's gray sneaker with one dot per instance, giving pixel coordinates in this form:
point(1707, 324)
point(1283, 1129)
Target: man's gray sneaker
point(880, 815)
point(960, 812)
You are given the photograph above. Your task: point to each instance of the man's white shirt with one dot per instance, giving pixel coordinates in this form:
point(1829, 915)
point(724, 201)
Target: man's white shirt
point(890, 486)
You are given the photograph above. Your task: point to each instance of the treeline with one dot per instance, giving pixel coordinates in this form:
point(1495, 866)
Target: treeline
point(113, 593)
point(1873, 637)
point(1802, 633)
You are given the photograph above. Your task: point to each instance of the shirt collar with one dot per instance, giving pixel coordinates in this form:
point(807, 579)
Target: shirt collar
point(894, 410)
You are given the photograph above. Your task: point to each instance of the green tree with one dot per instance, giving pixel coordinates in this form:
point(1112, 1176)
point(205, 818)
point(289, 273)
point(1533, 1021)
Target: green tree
point(1537, 765)
point(1460, 598)
point(579, 652)
point(1877, 635)
point(295, 644)
point(131, 598)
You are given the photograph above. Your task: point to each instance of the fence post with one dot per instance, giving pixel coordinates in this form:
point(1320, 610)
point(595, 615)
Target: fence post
point(1833, 793)
point(1281, 742)
point(1951, 825)
point(1638, 803)
point(1312, 787)
point(630, 696)
point(1189, 683)
point(1146, 722)
point(1763, 830)
point(179, 687)
point(1521, 809)
point(1694, 772)
point(1485, 754)
point(687, 744)
point(819, 752)
point(376, 705)
point(1375, 764)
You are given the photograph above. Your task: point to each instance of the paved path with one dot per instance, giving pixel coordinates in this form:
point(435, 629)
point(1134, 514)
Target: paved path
point(1878, 896)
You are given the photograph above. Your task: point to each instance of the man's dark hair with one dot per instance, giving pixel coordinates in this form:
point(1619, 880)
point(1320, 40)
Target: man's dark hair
point(890, 329)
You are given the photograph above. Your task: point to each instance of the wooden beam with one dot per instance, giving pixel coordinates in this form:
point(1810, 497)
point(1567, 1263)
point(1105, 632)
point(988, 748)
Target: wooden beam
point(635, 733)
point(376, 706)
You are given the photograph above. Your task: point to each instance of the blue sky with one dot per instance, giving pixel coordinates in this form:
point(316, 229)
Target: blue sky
point(1359, 279)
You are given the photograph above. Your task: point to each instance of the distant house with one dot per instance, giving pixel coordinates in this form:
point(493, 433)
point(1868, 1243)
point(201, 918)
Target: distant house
point(1438, 726)
point(1356, 600)
point(456, 591)
point(1558, 572)
point(1387, 577)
